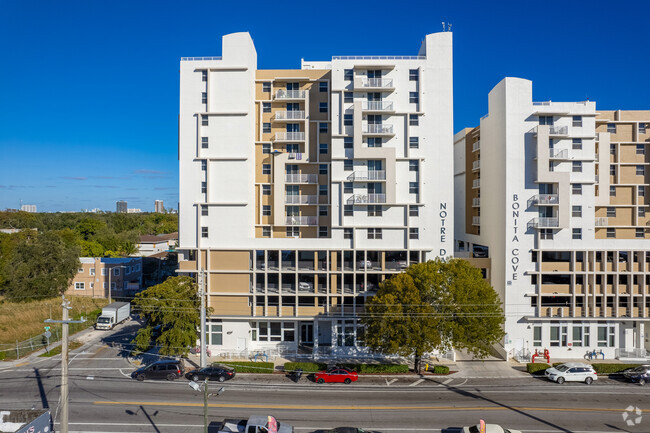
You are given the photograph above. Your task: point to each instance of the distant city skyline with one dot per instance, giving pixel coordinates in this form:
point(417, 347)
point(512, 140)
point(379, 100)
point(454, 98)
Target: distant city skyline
point(89, 109)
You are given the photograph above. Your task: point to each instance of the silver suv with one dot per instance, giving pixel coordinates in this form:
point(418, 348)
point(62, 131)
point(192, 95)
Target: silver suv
point(572, 372)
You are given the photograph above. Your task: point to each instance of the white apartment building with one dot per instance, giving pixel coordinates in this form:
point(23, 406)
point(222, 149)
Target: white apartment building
point(301, 190)
point(551, 198)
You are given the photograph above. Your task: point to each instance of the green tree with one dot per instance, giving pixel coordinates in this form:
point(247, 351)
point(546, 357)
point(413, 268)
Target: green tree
point(436, 305)
point(91, 249)
point(174, 305)
point(88, 227)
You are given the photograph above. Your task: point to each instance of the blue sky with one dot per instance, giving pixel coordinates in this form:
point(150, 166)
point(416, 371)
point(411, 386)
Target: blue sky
point(89, 89)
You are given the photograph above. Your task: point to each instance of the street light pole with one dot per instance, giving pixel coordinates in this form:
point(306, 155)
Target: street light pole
point(205, 405)
point(203, 319)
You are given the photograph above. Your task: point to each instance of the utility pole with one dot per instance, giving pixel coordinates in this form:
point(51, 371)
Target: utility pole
point(64, 361)
point(203, 324)
point(205, 405)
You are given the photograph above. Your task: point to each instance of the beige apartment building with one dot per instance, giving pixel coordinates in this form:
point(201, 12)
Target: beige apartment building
point(96, 274)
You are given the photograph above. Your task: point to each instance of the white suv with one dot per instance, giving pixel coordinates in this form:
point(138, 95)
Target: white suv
point(572, 372)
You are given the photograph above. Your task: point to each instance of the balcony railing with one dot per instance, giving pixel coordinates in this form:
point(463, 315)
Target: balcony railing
point(476, 220)
point(377, 105)
point(476, 146)
point(368, 175)
point(377, 129)
point(290, 94)
point(558, 130)
point(558, 153)
point(301, 199)
point(377, 82)
point(543, 199)
point(367, 198)
point(289, 136)
point(542, 222)
point(476, 183)
point(290, 115)
point(299, 156)
point(602, 222)
point(476, 202)
point(476, 165)
point(300, 178)
point(301, 220)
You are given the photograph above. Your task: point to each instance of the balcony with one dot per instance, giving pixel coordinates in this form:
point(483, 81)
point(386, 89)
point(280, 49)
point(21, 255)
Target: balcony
point(378, 106)
point(558, 130)
point(602, 222)
point(544, 222)
point(367, 199)
point(301, 221)
point(301, 199)
point(287, 95)
point(289, 136)
point(377, 129)
point(476, 146)
point(543, 199)
point(476, 202)
point(476, 165)
point(368, 175)
point(298, 156)
point(301, 178)
point(476, 183)
point(476, 220)
point(289, 115)
point(558, 154)
point(364, 83)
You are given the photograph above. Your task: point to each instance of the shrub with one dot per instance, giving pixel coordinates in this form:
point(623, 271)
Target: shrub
point(439, 369)
point(312, 367)
point(383, 368)
point(607, 368)
point(307, 367)
point(250, 367)
point(536, 368)
point(2, 356)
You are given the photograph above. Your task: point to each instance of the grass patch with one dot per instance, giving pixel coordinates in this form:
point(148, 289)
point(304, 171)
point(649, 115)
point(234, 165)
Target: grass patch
point(72, 345)
point(250, 367)
point(536, 368)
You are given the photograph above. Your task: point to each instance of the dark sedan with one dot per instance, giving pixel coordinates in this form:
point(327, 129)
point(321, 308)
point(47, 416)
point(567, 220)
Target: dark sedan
point(216, 372)
point(638, 374)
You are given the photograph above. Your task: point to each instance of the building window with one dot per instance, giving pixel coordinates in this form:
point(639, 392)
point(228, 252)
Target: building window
point(611, 233)
point(322, 232)
point(348, 74)
point(204, 98)
point(204, 187)
point(92, 271)
point(204, 232)
point(611, 212)
point(414, 165)
point(640, 149)
point(414, 120)
point(546, 234)
point(348, 210)
point(322, 189)
point(80, 286)
point(414, 233)
point(293, 232)
point(537, 336)
point(266, 127)
point(214, 333)
point(375, 142)
point(606, 336)
point(374, 211)
point(204, 142)
point(322, 211)
point(640, 233)
point(546, 120)
point(414, 74)
point(266, 87)
point(576, 189)
point(641, 190)
point(577, 144)
point(204, 165)
point(322, 127)
point(204, 120)
point(103, 272)
point(348, 97)
point(576, 211)
point(348, 142)
point(414, 142)
point(322, 169)
point(348, 187)
point(640, 170)
point(266, 168)
point(611, 128)
point(322, 148)
point(322, 86)
point(577, 120)
point(266, 210)
point(347, 119)
point(266, 107)
point(266, 231)
point(204, 210)
point(347, 233)
point(577, 234)
point(612, 170)
point(374, 234)
point(413, 188)
point(641, 212)
point(266, 189)
point(576, 167)
point(414, 211)
point(204, 75)
point(322, 107)
point(551, 166)
point(642, 128)
point(414, 98)
point(612, 149)
point(266, 147)
point(348, 165)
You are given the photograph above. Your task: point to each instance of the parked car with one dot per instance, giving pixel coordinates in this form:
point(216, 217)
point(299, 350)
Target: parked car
point(489, 428)
point(571, 372)
point(303, 285)
point(215, 372)
point(169, 369)
point(364, 264)
point(336, 375)
point(639, 374)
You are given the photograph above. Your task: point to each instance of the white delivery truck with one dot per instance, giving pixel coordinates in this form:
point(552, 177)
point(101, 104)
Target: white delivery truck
point(112, 314)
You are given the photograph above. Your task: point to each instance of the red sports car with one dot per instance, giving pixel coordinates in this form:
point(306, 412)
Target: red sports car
point(336, 375)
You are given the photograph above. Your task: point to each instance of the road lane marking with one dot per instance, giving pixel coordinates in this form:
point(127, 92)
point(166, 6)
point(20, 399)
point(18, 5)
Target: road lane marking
point(417, 382)
point(447, 381)
point(353, 407)
point(21, 364)
point(90, 378)
point(388, 382)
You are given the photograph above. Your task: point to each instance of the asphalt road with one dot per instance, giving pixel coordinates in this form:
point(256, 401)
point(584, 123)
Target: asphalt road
point(103, 398)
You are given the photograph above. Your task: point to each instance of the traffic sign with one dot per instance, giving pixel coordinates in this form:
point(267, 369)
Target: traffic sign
point(47, 334)
point(47, 328)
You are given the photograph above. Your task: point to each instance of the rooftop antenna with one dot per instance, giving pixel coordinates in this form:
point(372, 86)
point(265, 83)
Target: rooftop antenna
point(443, 26)
point(446, 27)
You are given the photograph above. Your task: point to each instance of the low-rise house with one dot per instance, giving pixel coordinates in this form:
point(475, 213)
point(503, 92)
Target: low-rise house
point(153, 244)
point(96, 274)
